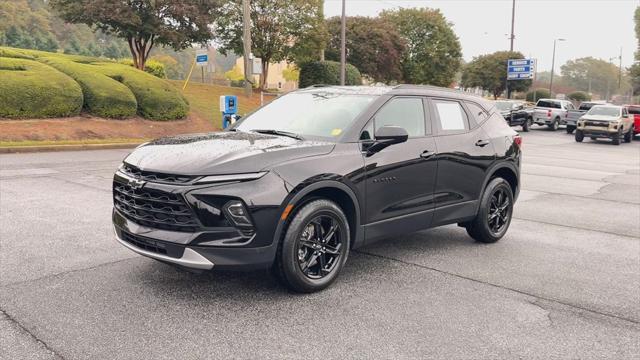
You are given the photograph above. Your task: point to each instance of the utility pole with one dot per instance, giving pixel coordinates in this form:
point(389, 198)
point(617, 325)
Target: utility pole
point(343, 45)
point(609, 80)
point(246, 43)
point(620, 69)
point(513, 21)
point(553, 64)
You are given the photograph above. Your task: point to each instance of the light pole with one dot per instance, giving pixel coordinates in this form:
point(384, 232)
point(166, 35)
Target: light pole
point(513, 20)
point(553, 64)
point(609, 79)
point(343, 45)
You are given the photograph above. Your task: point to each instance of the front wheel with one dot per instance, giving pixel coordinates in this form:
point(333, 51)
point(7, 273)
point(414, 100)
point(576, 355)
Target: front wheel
point(527, 124)
point(616, 138)
point(628, 136)
point(570, 129)
point(579, 136)
point(315, 247)
point(494, 215)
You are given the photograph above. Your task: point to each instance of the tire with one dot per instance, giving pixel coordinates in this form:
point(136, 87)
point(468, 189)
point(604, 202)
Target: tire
point(483, 228)
point(594, 138)
point(527, 124)
point(628, 136)
point(554, 125)
point(302, 262)
point(570, 129)
point(615, 139)
point(579, 136)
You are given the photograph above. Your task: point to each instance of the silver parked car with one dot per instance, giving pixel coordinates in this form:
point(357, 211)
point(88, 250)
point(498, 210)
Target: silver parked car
point(552, 112)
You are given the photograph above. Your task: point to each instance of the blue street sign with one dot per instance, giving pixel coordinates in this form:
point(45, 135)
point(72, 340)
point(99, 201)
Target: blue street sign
point(520, 69)
point(202, 58)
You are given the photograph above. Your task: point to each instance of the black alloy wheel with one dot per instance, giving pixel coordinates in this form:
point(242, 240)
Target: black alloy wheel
point(494, 215)
point(315, 247)
point(320, 247)
point(499, 210)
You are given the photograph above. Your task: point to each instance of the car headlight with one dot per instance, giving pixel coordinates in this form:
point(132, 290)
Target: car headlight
point(231, 177)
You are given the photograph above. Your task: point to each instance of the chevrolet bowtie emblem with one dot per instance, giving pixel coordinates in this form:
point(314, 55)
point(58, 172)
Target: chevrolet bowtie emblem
point(136, 184)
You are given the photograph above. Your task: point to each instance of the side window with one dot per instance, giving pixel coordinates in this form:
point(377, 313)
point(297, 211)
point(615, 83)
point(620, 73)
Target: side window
point(408, 113)
point(477, 112)
point(451, 116)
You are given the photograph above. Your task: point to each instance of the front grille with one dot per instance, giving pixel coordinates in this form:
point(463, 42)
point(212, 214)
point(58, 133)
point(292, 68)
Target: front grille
point(153, 208)
point(596, 123)
point(155, 176)
point(153, 246)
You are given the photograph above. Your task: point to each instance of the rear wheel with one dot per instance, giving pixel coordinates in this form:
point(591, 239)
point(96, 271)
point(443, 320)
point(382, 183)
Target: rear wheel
point(494, 216)
point(579, 136)
point(527, 124)
point(570, 129)
point(315, 247)
point(555, 124)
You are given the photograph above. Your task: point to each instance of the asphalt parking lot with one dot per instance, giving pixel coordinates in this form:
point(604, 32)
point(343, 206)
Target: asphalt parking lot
point(563, 283)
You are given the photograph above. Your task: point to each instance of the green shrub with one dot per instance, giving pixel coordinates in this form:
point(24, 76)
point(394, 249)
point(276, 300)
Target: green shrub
point(157, 98)
point(579, 96)
point(103, 95)
point(327, 73)
point(153, 67)
point(33, 90)
point(540, 94)
point(14, 53)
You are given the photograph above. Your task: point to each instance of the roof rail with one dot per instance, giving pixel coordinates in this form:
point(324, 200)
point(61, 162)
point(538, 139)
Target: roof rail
point(318, 85)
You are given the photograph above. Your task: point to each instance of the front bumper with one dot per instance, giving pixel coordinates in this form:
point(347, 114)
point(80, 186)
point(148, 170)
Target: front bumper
point(598, 132)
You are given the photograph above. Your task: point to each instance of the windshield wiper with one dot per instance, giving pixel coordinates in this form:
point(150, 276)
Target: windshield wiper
point(278, 132)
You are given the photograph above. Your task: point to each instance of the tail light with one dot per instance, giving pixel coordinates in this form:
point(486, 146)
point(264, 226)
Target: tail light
point(518, 141)
point(548, 113)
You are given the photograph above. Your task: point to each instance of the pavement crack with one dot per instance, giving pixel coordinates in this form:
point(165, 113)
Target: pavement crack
point(538, 297)
point(546, 311)
point(32, 335)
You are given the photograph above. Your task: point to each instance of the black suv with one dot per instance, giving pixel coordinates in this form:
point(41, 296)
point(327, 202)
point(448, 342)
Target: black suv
point(303, 180)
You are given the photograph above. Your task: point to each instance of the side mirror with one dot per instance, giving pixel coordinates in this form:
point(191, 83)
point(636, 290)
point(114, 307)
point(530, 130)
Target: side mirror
point(626, 116)
point(386, 136)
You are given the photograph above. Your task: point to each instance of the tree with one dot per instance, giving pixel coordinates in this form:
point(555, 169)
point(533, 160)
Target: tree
point(278, 26)
point(537, 94)
point(144, 23)
point(634, 71)
point(433, 53)
point(373, 45)
point(489, 72)
point(590, 74)
point(579, 96)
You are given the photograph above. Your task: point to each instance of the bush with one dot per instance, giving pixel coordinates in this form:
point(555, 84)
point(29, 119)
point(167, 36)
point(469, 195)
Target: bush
point(32, 90)
point(152, 67)
point(327, 73)
point(579, 96)
point(103, 95)
point(540, 94)
point(157, 98)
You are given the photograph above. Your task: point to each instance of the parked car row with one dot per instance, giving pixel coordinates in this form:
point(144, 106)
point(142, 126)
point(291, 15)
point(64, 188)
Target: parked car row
point(593, 119)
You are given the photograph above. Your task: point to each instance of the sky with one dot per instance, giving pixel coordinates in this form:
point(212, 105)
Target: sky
point(597, 28)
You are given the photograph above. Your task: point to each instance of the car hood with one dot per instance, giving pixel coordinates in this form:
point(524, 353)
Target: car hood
point(600, 118)
point(222, 153)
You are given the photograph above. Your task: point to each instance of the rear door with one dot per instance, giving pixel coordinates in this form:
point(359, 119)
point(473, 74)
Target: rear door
point(465, 152)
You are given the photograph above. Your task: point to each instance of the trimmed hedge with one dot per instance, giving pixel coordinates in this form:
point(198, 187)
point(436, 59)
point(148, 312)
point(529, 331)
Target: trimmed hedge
point(327, 73)
point(103, 96)
point(113, 90)
point(157, 98)
point(33, 90)
point(153, 67)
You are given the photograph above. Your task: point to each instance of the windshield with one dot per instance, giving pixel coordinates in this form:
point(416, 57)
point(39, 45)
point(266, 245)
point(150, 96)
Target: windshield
point(586, 106)
point(549, 104)
point(604, 111)
point(308, 114)
point(503, 105)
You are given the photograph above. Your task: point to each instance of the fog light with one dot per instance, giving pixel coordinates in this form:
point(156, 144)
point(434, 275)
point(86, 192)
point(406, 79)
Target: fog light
point(237, 213)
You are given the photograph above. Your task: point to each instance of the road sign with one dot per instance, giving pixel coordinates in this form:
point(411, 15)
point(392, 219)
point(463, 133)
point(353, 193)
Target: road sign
point(202, 57)
point(521, 69)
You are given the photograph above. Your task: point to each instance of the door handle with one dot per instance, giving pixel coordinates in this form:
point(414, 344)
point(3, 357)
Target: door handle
point(482, 143)
point(427, 154)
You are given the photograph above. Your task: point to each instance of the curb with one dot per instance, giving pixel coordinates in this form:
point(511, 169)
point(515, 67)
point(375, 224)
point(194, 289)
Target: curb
point(71, 147)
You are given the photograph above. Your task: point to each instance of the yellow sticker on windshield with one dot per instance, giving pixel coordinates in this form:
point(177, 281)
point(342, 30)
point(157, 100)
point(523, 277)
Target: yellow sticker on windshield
point(336, 132)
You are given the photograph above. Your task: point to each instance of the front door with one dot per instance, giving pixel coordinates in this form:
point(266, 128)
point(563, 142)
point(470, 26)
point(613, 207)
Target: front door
point(400, 179)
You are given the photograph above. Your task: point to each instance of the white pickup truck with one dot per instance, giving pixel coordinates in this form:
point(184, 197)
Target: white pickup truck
point(552, 112)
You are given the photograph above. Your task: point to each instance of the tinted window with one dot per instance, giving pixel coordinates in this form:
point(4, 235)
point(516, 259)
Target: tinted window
point(548, 104)
point(408, 113)
point(451, 116)
point(586, 106)
point(634, 110)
